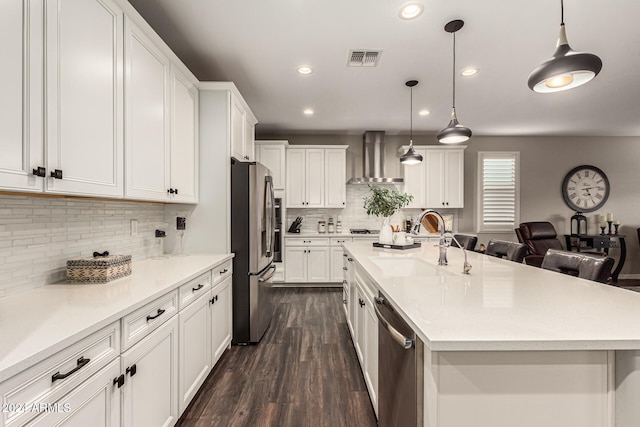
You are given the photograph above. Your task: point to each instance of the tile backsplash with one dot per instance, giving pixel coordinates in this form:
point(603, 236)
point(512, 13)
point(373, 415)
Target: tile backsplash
point(39, 234)
point(354, 215)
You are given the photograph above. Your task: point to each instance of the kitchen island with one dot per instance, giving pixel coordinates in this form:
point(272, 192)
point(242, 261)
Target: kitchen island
point(512, 344)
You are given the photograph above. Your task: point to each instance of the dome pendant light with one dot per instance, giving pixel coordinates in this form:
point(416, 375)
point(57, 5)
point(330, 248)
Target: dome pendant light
point(566, 69)
point(454, 133)
point(411, 157)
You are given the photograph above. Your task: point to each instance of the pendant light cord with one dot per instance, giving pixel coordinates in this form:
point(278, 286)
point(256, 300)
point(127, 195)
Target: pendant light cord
point(561, 12)
point(453, 71)
point(411, 118)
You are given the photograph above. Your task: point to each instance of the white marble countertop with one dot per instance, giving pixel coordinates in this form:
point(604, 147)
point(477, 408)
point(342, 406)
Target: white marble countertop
point(501, 305)
point(38, 323)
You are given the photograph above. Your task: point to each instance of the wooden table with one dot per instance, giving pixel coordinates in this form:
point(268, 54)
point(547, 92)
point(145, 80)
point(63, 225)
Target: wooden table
point(602, 242)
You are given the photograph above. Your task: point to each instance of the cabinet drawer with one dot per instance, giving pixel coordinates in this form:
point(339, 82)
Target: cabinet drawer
point(57, 375)
point(141, 322)
point(366, 239)
point(337, 241)
point(309, 241)
point(193, 289)
point(221, 271)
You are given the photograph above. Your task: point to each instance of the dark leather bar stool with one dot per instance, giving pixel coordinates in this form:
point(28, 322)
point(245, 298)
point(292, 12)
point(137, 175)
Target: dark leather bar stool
point(467, 241)
point(539, 236)
point(507, 250)
point(585, 266)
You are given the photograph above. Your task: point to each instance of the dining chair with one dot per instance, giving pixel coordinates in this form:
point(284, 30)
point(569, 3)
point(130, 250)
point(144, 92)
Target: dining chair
point(585, 266)
point(539, 236)
point(467, 241)
point(508, 250)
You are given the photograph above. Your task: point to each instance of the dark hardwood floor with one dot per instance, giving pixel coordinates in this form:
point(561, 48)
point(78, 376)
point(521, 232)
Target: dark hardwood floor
point(304, 372)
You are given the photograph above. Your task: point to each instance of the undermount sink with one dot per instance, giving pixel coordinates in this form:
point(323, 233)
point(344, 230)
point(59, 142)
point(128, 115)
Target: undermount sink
point(408, 267)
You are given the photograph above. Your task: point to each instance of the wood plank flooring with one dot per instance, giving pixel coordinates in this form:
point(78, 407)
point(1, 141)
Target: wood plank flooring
point(304, 372)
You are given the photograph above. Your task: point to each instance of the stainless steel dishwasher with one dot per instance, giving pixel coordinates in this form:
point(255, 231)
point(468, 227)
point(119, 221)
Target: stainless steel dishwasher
point(400, 370)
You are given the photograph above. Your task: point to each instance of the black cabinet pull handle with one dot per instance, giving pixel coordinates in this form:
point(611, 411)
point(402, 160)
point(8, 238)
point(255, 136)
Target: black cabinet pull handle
point(82, 362)
point(344, 255)
point(160, 313)
point(345, 268)
point(57, 174)
point(197, 288)
point(40, 171)
point(119, 381)
point(172, 191)
point(176, 191)
point(132, 370)
point(214, 299)
point(361, 302)
point(350, 259)
point(223, 271)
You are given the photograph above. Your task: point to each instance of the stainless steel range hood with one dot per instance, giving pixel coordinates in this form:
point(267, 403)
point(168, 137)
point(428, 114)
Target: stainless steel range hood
point(373, 160)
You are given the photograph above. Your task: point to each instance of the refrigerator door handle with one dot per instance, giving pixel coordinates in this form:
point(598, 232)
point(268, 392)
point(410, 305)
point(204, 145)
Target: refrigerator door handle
point(272, 268)
point(269, 210)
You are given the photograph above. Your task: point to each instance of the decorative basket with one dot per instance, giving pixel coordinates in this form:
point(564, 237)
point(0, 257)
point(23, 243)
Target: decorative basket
point(100, 268)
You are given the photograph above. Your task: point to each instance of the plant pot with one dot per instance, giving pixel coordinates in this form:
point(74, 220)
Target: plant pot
point(386, 235)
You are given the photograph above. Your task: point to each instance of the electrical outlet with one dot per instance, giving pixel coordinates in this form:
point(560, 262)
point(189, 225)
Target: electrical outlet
point(134, 227)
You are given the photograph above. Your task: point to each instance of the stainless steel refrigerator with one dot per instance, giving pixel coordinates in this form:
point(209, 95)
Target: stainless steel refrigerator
point(252, 242)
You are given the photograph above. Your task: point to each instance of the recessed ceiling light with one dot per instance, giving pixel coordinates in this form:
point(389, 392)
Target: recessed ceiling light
point(424, 112)
point(308, 112)
point(411, 10)
point(468, 72)
point(305, 69)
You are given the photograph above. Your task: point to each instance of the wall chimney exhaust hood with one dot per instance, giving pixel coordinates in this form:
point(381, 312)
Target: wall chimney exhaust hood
point(373, 160)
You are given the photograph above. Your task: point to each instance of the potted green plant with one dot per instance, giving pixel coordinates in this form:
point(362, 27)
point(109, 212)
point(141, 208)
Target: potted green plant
point(384, 202)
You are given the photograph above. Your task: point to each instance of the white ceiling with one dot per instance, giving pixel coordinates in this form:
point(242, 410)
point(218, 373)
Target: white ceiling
point(258, 44)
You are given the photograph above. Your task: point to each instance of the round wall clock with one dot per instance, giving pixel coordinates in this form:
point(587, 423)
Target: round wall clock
point(585, 188)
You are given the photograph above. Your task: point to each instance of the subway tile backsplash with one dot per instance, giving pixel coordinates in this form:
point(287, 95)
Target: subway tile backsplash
point(39, 234)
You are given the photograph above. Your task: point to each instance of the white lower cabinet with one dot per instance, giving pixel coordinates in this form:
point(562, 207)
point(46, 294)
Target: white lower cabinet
point(221, 318)
point(308, 260)
point(364, 330)
point(150, 391)
point(95, 403)
point(195, 348)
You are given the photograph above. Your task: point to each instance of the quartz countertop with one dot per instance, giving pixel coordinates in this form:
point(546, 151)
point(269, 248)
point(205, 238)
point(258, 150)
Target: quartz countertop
point(501, 305)
point(38, 323)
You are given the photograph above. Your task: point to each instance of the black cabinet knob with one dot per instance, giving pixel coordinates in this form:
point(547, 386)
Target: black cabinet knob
point(57, 174)
point(40, 171)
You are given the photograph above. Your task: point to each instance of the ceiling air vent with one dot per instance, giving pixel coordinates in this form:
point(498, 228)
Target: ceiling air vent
point(363, 58)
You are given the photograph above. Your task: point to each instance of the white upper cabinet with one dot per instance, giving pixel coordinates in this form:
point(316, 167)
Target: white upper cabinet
point(444, 178)
point(242, 130)
point(84, 93)
point(335, 178)
point(273, 155)
point(21, 103)
point(184, 138)
point(437, 182)
point(147, 122)
point(316, 177)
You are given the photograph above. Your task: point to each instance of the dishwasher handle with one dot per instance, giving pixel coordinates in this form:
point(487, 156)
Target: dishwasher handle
point(405, 342)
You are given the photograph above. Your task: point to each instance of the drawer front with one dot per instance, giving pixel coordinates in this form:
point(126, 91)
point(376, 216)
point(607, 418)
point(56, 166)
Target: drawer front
point(193, 289)
point(337, 241)
point(51, 379)
point(141, 322)
point(309, 241)
point(366, 239)
point(221, 271)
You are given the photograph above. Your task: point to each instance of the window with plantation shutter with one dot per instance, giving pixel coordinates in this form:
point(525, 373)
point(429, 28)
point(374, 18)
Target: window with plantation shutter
point(498, 192)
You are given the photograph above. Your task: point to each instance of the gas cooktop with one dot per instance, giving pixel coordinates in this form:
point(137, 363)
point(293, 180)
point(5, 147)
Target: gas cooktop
point(363, 231)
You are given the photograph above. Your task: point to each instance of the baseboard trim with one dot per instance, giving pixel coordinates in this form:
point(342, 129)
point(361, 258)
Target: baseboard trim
point(307, 285)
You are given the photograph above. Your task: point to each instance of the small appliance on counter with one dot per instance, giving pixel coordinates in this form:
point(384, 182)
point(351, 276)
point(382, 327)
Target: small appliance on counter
point(295, 225)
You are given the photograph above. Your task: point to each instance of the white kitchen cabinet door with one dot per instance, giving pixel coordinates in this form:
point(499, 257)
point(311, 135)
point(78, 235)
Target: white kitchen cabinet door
point(359, 326)
point(249, 138)
point(221, 305)
point(296, 178)
point(195, 349)
point(95, 403)
point(454, 178)
point(444, 178)
point(150, 392)
point(295, 258)
point(415, 181)
point(147, 136)
point(237, 130)
point(337, 264)
point(314, 185)
point(335, 176)
point(184, 138)
point(21, 85)
point(84, 97)
point(318, 264)
point(273, 157)
point(371, 352)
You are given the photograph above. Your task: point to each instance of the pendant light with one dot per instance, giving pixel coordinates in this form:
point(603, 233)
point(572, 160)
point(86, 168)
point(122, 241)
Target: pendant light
point(454, 133)
point(566, 69)
point(411, 157)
